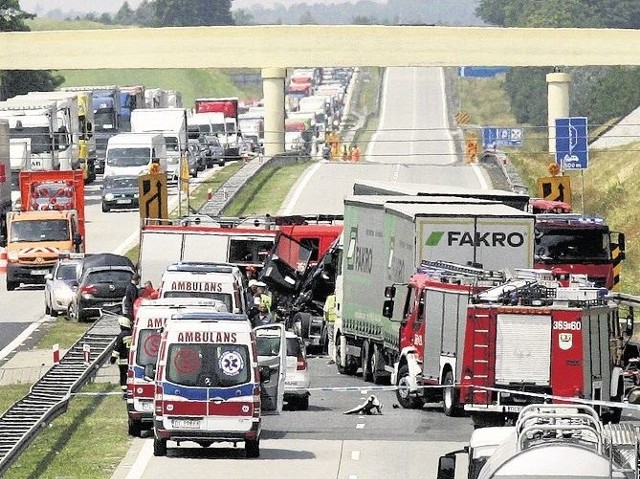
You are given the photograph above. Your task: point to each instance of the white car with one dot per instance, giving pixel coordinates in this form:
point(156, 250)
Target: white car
point(297, 380)
point(58, 287)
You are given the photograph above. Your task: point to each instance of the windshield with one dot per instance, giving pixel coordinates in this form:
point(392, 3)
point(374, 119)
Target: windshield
point(231, 127)
point(104, 120)
point(47, 230)
point(249, 250)
point(574, 245)
point(128, 156)
point(268, 345)
point(121, 182)
point(40, 139)
point(208, 365)
point(67, 272)
point(205, 128)
point(148, 345)
point(108, 276)
point(217, 128)
point(224, 297)
point(172, 143)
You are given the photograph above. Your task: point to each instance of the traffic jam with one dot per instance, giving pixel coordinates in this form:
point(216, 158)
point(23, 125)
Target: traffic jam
point(477, 300)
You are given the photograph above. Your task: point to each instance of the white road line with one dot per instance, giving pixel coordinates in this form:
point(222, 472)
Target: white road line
point(481, 179)
point(360, 426)
point(140, 464)
point(355, 455)
point(445, 118)
point(353, 476)
point(383, 102)
point(24, 335)
point(300, 188)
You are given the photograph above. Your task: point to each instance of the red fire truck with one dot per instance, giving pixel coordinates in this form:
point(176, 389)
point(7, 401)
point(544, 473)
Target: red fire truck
point(498, 344)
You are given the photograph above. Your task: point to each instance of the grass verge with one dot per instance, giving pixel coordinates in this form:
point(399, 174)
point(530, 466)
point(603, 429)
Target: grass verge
point(63, 332)
point(89, 440)
point(366, 102)
point(12, 393)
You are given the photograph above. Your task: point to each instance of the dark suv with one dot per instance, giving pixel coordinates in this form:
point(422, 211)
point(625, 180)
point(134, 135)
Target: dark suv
point(102, 284)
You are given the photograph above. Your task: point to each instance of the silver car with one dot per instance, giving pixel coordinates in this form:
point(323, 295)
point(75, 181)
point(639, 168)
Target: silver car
point(58, 288)
point(297, 379)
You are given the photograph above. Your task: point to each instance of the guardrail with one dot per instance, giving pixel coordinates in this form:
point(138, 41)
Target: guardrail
point(50, 395)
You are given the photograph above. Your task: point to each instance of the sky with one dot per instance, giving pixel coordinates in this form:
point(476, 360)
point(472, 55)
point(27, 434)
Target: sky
point(100, 6)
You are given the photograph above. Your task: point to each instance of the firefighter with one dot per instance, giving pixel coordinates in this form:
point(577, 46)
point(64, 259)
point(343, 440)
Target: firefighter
point(121, 349)
point(131, 293)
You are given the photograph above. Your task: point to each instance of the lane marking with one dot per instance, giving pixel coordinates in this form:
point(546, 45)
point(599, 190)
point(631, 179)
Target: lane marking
point(381, 121)
point(353, 476)
point(355, 455)
point(142, 460)
point(300, 188)
point(481, 179)
point(24, 335)
point(445, 118)
point(360, 426)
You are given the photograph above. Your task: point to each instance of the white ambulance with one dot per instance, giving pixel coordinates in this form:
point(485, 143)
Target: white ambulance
point(151, 317)
point(220, 281)
point(209, 386)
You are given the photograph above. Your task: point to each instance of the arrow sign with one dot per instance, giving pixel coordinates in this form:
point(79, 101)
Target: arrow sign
point(153, 196)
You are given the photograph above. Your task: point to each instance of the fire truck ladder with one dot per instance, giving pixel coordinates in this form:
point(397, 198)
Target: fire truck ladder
point(453, 272)
point(49, 396)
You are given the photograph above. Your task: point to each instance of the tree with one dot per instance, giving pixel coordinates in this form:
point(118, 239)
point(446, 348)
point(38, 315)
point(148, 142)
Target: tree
point(307, 19)
point(243, 17)
point(191, 13)
point(16, 82)
point(125, 15)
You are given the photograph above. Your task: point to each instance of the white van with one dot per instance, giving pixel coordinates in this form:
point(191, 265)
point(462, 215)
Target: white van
point(134, 153)
point(221, 281)
point(209, 386)
point(151, 316)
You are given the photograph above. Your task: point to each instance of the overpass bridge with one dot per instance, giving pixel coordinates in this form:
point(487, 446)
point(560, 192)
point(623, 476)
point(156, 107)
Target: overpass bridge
point(273, 48)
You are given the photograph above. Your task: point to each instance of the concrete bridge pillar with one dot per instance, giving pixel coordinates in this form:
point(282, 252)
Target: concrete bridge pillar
point(558, 103)
point(273, 89)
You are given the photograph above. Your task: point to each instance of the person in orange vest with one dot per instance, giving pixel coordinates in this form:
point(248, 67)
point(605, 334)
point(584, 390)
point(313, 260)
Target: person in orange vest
point(355, 153)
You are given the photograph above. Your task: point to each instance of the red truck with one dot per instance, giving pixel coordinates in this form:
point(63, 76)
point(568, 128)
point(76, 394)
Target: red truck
point(488, 346)
point(229, 108)
point(50, 222)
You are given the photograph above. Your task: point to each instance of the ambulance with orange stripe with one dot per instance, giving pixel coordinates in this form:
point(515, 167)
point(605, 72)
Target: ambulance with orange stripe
point(151, 317)
point(209, 386)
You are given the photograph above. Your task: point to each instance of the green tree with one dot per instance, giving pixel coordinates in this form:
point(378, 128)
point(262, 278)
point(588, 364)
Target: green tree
point(144, 14)
point(16, 82)
point(307, 19)
point(185, 13)
point(243, 17)
point(125, 16)
point(364, 20)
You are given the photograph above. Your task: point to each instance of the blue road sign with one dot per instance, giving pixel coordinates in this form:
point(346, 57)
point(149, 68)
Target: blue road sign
point(572, 136)
point(481, 72)
point(494, 137)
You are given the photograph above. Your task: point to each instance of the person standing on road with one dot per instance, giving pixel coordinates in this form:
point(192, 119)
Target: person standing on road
point(121, 349)
point(131, 293)
point(330, 319)
point(355, 153)
point(263, 317)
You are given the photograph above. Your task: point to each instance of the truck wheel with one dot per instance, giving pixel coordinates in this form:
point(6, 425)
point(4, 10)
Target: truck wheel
point(377, 364)
point(351, 366)
point(134, 427)
point(12, 285)
point(365, 360)
point(252, 448)
point(159, 447)
point(451, 397)
point(303, 403)
point(105, 208)
point(406, 399)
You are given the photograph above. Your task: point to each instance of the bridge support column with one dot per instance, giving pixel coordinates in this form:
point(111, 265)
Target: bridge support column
point(558, 103)
point(273, 89)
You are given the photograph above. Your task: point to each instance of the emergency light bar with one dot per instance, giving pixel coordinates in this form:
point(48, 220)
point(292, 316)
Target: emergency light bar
point(192, 267)
point(209, 317)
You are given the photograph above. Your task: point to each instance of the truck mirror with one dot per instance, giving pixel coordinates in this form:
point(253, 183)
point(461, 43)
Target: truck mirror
point(447, 467)
point(387, 308)
point(77, 239)
point(629, 323)
point(390, 292)
point(265, 374)
point(150, 372)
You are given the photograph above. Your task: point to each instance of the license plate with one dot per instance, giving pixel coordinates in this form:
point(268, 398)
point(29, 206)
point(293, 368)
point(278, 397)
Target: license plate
point(512, 409)
point(39, 272)
point(123, 202)
point(186, 423)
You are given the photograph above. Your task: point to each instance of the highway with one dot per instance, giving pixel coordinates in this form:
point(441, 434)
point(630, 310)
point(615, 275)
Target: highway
point(322, 442)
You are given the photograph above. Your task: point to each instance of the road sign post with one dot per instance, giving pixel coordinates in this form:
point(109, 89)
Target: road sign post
point(153, 196)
